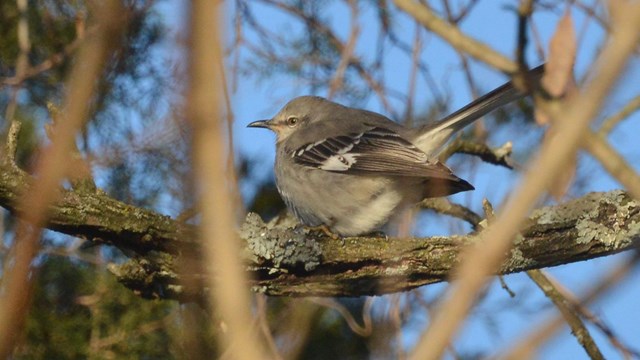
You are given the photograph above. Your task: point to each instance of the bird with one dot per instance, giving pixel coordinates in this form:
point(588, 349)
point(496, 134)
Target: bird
point(348, 171)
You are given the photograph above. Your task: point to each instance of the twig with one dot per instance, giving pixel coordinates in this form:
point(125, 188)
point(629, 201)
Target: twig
point(47, 64)
point(578, 328)
point(22, 64)
point(261, 310)
point(363, 330)
point(606, 330)
point(525, 348)
point(612, 162)
point(445, 206)
point(524, 13)
point(500, 156)
point(505, 287)
point(354, 61)
point(413, 71)
point(347, 52)
point(489, 214)
point(455, 37)
point(629, 108)
point(480, 130)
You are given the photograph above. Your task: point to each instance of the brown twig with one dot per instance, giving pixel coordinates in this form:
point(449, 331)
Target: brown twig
point(499, 156)
point(354, 61)
point(629, 108)
point(612, 162)
point(525, 10)
point(578, 329)
point(347, 52)
point(263, 323)
point(627, 352)
point(525, 348)
point(445, 206)
point(413, 71)
point(455, 37)
point(363, 330)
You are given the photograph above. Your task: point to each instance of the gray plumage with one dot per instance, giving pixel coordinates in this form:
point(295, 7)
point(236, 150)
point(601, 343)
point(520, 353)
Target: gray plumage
point(352, 170)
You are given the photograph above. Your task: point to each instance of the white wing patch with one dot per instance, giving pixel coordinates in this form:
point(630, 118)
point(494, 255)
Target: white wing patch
point(339, 162)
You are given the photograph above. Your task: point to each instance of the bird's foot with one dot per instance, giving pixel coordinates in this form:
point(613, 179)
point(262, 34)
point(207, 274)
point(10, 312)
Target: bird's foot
point(324, 229)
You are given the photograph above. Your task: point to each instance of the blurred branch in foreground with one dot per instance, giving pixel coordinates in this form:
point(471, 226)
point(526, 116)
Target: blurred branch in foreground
point(51, 169)
point(229, 296)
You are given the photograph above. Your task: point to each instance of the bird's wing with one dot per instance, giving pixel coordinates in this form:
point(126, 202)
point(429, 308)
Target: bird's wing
point(375, 151)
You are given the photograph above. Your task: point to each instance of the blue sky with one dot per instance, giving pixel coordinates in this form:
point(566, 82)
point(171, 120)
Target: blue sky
point(494, 23)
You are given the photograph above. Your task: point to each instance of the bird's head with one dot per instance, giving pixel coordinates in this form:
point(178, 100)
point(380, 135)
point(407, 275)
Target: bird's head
point(296, 114)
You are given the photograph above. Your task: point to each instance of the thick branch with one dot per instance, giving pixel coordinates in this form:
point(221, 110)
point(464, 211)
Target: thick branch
point(94, 216)
point(596, 225)
point(285, 261)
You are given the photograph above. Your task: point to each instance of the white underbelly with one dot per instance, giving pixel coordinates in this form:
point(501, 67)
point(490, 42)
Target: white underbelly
point(346, 206)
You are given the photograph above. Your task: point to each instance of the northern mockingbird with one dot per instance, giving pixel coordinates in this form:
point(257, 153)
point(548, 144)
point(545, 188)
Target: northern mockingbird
point(350, 170)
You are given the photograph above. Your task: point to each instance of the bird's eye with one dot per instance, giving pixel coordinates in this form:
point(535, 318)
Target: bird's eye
point(292, 121)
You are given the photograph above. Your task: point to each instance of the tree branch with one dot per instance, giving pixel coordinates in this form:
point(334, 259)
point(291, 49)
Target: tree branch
point(295, 262)
point(288, 262)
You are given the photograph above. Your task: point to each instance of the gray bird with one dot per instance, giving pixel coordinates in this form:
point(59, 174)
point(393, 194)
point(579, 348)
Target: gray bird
point(351, 170)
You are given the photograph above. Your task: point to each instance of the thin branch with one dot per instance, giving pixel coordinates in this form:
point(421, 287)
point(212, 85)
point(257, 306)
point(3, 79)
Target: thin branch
point(363, 330)
point(627, 352)
point(629, 108)
point(455, 37)
point(413, 72)
point(335, 41)
point(445, 206)
point(499, 156)
point(615, 164)
point(263, 323)
point(347, 52)
point(525, 10)
point(525, 348)
point(578, 329)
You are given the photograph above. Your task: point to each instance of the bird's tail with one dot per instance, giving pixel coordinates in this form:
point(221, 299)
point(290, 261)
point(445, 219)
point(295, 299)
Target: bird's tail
point(433, 136)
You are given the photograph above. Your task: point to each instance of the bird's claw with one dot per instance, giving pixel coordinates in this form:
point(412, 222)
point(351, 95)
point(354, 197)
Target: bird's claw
point(324, 229)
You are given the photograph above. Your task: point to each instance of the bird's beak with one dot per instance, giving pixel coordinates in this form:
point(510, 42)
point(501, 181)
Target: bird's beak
point(261, 124)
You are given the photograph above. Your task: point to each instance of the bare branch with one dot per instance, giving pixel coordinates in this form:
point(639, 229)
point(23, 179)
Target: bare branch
point(613, 162)
point(455, 37)
point(525, 349)
point(578, 329)
point(444, 206)
point(632, 106)
point(499, 156)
